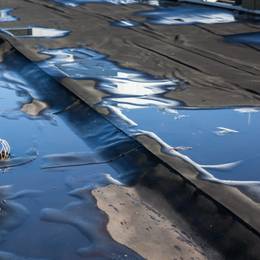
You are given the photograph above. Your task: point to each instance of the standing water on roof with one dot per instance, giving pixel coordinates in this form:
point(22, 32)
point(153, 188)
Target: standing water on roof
point(223, 141)
point(129, 86)
point(141, 101)
point(244, 38)
point(188, 14)
point(5, 15)
point(48, 193)
point(74, 3)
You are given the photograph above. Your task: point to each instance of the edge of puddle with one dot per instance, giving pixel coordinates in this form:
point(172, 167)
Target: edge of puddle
point(223, 195)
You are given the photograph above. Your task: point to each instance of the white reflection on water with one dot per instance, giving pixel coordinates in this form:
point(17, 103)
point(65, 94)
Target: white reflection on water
point(224, 131)
point(248, 111)
point(188, 15)
point(74, 3)
point(125, 87)
point(125, 23)
point(140, 101)
point(5, 15)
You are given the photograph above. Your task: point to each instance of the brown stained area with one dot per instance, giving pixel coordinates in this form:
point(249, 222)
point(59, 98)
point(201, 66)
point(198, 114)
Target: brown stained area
point(34, 108)
point(134, 222)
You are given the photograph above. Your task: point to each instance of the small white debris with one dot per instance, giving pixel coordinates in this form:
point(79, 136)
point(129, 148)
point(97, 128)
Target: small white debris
point(224, 131)
point(182, 148)
point(112, 180)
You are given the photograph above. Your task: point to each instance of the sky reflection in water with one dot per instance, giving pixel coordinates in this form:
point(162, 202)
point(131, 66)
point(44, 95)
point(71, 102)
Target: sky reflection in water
point(215, 138)
point(211, 136)
point(35, 32)
point(129, 86)
point(5, 15)
point(74, 3)
point(188, 14)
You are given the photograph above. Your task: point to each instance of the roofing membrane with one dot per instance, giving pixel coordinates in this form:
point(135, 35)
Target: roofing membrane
point(128, 122)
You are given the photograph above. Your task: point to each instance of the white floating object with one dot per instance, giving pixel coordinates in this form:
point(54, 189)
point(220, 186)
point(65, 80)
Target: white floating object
point(224, 131)
point(4, 150)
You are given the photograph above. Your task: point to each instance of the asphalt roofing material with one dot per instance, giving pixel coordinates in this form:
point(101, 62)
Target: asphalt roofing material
point(131, 75)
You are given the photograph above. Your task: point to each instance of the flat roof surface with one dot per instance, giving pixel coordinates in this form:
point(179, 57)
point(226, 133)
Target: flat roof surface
point(173, 61)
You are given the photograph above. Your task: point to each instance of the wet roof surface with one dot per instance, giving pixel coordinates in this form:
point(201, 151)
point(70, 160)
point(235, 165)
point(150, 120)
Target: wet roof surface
point(121, 83)
point(223, 140)
point(179, 15)
point(141, 79)
point(46, 189)
point(74, 3)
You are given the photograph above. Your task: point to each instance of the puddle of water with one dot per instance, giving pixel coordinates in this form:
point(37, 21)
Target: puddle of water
point(223, 141)
point(245, 38)
point(5, 15)
point(62, 195)
point(188, 14)
point(8, 255)
point(74, 3)
point(6, 94)
point(124, 86)
point(125, 23)
point(37, 32)
point(141, 103)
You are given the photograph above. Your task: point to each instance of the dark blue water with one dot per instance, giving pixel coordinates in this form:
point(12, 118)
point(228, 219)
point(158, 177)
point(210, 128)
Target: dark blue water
point(188, 14)
point(52, 207)
point(244, 38)
point(6, 15)
point(213, 137)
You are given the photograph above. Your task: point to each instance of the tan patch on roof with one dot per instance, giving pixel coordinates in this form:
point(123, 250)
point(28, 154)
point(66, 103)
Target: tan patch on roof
point(34, 108)
point(142, 228)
